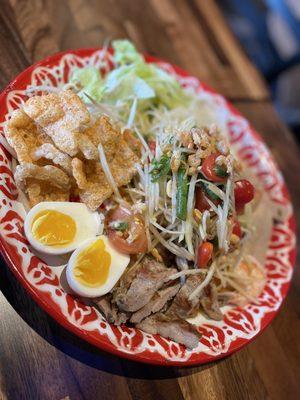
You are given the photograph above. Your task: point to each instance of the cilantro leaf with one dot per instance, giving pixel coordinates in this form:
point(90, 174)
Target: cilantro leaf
point(221, 171)
point(160, 168)
point(209, 193)
point(121, 226)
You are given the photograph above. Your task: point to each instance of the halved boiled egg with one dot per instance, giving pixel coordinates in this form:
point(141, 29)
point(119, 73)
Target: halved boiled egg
point(60, 227)
point(95, 267)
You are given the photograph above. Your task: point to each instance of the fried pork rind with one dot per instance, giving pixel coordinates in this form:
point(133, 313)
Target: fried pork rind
point(121, 159)
point(91, 181)
point(134, 143)
point(51, 129)
point(63, 116)
point(31, 145)
point(23, 136)
point(47, 183)
point(110, 138)
point(50, 152)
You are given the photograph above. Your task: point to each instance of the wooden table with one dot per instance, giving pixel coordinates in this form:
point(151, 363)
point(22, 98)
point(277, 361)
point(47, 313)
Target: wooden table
point(41, 360)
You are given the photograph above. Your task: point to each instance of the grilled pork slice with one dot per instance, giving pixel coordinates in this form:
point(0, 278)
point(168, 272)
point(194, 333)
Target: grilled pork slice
point(210, 304)
point(157, 303)
point(182, 306)
point(125, 281)
point(178, 330)
point(149, 278)
point(110, 311)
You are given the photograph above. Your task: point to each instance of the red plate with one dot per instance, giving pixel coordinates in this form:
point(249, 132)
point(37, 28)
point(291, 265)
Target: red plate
point(219, 339)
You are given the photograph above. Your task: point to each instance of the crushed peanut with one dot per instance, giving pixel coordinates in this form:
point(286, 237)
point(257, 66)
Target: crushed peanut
point(194, 160)
point(196, 135)
point(197, 215)
point(192, 170)
point(156, 255)
point(175, 162)
point(186, 139)
point(234, 239)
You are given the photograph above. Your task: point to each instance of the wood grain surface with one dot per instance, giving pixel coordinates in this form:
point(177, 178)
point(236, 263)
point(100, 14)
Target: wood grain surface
point(41, 360)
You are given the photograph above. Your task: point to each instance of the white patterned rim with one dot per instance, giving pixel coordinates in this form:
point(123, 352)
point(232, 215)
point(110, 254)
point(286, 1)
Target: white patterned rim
point(239, 326)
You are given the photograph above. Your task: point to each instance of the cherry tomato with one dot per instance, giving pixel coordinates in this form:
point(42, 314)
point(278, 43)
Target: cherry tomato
point(208, 168)
point(136, 226)
point(152, 146)
point(236, 230)
point(201, 203)
point(205, 251)
point(243, 192)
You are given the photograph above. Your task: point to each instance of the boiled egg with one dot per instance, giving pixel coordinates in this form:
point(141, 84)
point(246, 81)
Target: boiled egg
point(60, 227)
point(95, 267)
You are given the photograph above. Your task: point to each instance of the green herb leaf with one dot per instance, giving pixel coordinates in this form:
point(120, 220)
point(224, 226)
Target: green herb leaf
point(182, 194)
point(220, 171)
point(209, 193)
point(119, 225)
point(160, 168)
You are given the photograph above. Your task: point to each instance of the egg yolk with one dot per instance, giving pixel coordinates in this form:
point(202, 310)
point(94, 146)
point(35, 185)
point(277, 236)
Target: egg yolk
point(53, 228)
point(92, 265)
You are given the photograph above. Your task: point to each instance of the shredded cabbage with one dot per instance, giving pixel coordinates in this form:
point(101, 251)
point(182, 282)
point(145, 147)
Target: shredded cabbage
point(125, 52)
point(91, 82)
point(132, 78)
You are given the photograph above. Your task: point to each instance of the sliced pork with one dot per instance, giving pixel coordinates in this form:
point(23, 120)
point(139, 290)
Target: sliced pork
point(149, 278)
point(182, 306)
point(157, 303)
point(210, 304)
point(126, 280)
point(178, 330)
point(110, 311)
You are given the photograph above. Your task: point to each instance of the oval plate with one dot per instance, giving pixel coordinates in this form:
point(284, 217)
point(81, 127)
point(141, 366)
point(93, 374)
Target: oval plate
point(240, 325)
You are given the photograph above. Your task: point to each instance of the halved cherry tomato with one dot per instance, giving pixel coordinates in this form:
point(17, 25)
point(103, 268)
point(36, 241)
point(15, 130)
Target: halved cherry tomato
point(136, 226)
point(208, 168)
point(236, 230)
point(200, 201)
point(204, 255)
point(243, 192)
point(152, 146)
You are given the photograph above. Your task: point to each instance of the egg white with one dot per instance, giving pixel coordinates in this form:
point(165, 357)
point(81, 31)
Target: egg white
point(117, 267)
point(88, 225)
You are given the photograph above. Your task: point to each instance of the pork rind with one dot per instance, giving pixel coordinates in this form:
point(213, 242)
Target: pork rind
point(63, 116)
point(31, 145)
point(91, 181)
point(23, 136)
point(121, 159)
point(51, 129)
point(47, 183)
point(49, 152)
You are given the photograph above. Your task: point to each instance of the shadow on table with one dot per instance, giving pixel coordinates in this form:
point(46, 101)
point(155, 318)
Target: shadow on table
point(72, 345)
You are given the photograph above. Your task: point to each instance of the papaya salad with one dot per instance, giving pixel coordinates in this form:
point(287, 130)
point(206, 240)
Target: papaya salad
point(131, 180)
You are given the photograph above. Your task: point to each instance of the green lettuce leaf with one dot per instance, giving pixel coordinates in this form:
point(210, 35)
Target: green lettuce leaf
point(125, 52)
point(91, 82)
point(132, 78)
